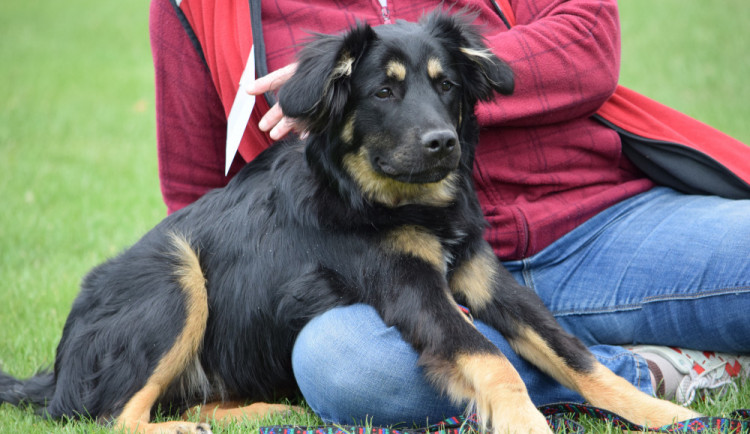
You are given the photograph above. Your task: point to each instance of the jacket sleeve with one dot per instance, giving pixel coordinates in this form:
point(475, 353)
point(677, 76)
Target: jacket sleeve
point(190, 121)
point(566, 59)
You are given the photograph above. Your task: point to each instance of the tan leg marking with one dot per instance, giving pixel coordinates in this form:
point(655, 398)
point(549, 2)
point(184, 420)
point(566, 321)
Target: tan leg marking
point(389, 192)
point(606, 390)
point(601, 387)
point(493, 387)
point(475, 278)
point(136, 413)
point(499, 394)
point(416, 241)
point(235, 411)
point(534, 349)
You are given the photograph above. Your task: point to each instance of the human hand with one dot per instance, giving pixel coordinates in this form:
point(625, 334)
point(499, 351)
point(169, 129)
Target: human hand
point(274, 122)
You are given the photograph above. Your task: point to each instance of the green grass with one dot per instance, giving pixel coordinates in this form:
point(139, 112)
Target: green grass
point(78, 177)
point(691, 56)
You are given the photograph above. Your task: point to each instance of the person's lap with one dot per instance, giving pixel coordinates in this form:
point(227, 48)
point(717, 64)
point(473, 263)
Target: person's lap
point(661, 268)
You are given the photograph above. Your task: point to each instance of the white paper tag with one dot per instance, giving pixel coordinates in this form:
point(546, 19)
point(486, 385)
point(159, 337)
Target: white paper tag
point(240, 113)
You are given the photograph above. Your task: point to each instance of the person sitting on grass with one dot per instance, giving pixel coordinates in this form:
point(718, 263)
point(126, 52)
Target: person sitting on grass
point(638, 271)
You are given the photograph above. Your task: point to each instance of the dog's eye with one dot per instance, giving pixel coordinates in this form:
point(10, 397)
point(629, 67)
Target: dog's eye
point(446, 85)
point(384, 93)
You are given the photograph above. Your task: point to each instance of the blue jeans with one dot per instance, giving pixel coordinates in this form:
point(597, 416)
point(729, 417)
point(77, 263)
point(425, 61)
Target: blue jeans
point(660, 268)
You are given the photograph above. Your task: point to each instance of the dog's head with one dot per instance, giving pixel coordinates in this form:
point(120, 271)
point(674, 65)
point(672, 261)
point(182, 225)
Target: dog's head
point(390, 109)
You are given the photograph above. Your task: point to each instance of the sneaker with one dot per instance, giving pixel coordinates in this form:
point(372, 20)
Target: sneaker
point(697, 371)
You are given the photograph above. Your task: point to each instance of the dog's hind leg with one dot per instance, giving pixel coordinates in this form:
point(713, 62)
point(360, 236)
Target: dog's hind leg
point(227, 411)
point(517, 312)
point(135, 416)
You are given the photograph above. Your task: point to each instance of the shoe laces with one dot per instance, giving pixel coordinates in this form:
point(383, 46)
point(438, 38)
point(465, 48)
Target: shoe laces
point(712, 378)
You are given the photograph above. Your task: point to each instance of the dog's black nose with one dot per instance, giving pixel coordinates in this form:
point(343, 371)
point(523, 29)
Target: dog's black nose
point(439, 142)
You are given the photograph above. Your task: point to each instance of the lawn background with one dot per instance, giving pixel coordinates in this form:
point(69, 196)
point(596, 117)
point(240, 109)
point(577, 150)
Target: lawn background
point(78, 174)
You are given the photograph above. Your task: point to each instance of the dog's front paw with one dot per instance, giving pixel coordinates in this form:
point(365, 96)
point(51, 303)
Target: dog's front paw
point(659, 413)
point(512, 418)
point(180, 428)
point(523, 422)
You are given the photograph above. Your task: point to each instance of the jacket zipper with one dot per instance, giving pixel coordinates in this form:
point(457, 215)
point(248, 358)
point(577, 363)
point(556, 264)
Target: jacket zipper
point(385, 14)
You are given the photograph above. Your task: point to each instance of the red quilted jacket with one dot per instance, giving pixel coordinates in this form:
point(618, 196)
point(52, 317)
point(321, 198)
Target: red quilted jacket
point(550, 156)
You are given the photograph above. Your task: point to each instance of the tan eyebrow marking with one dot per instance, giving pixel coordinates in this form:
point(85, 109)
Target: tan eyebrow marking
point(396, 69)
point(434, 67)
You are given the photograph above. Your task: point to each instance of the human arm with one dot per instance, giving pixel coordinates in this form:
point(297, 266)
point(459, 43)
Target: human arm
point(566, 60)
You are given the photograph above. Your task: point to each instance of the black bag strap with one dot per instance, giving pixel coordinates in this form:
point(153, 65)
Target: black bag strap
point(261, 64)
point(500, 13)
point(189, 30)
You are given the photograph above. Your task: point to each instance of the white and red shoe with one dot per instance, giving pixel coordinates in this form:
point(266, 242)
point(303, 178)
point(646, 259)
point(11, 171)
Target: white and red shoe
point(697, 371)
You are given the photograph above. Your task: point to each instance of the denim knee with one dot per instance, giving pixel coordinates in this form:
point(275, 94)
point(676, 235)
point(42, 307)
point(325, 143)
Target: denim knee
point(351, 367)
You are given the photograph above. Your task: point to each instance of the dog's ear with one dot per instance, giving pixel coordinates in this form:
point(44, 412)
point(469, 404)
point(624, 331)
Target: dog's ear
point(317, 94)
point(482, 72)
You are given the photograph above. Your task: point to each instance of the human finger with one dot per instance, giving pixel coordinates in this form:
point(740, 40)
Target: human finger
point(282, 128)
point(272, 117)
point(272, 81)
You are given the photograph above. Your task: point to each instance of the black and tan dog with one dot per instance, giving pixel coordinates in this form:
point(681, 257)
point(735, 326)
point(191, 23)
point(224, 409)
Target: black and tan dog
point(376, 206)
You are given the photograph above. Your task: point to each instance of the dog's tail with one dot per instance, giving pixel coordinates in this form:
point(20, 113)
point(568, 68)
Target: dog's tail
point(35, 391)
